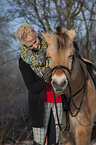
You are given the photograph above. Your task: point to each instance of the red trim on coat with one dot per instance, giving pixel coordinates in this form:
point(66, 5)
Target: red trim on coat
point(49, 96)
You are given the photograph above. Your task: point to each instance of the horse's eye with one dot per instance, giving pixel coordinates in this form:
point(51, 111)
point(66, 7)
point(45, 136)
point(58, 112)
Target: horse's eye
point(70, 56)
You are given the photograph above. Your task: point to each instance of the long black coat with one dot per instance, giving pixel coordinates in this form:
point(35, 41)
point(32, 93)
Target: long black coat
point(35, 86)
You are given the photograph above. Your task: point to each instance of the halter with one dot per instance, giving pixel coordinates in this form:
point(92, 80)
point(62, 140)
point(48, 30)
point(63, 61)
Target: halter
point(63, 68)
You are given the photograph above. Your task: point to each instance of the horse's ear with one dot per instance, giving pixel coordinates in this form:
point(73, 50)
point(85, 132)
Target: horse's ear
point(46, 36)
point(71, 33)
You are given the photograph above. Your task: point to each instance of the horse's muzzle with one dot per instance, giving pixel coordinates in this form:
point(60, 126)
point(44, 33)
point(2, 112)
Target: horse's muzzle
point(59, 86)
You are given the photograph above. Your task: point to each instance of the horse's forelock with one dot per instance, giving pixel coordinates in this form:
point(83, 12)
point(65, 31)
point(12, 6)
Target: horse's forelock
point(59, 30)
point(63, 40)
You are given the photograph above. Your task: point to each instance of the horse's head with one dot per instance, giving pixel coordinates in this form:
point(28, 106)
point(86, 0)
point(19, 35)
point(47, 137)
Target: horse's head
point(60, 52)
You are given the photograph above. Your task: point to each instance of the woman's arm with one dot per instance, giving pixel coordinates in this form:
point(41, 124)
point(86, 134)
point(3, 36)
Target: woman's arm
point(35, 85)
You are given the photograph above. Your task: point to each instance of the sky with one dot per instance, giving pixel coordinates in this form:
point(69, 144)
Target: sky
point(17, 22)
point(12, 25)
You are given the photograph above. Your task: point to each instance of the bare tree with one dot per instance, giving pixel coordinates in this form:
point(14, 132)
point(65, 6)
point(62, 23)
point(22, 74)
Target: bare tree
point(46, 15)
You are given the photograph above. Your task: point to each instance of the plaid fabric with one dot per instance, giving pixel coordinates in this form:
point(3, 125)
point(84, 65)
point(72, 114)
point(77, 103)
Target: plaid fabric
point(40, 133)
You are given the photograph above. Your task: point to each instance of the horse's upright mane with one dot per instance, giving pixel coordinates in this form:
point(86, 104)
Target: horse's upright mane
point(63, 40)
point(90, 66)
point(59, 30)
point(91, 69)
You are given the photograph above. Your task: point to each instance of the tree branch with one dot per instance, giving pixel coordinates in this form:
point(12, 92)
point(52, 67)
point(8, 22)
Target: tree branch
point(37, 14)
point(87, 50)
point(82, 4)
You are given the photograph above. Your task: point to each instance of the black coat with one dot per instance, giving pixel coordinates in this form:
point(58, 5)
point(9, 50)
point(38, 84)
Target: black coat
point(35, 86)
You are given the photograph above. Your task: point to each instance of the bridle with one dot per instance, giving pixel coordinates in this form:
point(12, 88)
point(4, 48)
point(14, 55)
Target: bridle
point(70, 98)
point(63, 68)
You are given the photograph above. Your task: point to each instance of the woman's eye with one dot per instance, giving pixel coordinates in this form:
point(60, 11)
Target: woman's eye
point(48, 57)
point(70, 56)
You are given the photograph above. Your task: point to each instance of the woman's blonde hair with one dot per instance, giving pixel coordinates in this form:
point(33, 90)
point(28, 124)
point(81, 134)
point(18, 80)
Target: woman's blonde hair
point(26, 33)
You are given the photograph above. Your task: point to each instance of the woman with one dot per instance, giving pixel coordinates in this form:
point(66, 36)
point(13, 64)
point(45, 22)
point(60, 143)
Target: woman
point(36, 73)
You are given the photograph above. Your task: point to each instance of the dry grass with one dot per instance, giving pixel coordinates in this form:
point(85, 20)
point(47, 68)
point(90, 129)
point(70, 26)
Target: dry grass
point(25, 136)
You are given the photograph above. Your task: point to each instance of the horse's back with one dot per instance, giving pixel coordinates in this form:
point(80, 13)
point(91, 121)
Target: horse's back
point(91, 69)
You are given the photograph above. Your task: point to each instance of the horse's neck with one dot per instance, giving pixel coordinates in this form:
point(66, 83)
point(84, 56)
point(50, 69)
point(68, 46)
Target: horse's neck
point(78, 77)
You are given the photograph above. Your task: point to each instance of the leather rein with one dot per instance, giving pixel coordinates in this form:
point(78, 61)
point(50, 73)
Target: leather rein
point(70, 98)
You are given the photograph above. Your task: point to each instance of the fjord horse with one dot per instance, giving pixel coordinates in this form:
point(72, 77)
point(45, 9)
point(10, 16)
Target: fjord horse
point(71, 78)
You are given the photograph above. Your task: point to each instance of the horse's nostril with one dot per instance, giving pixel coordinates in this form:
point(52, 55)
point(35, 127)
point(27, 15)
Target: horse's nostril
point(54, 84)
point(63, 83)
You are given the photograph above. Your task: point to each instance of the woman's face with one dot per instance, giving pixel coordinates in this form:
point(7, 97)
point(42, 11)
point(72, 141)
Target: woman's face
point(33, 44)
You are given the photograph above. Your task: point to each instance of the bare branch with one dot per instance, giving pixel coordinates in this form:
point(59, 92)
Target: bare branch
point(90, 10)
point(37, 14)
point(62, 10)
point(45, 15)
point(75, 9)
point(82, 4)
point(92, 35)
point(87, 42)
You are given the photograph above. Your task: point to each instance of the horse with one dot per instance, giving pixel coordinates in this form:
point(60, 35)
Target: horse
point(71, 78)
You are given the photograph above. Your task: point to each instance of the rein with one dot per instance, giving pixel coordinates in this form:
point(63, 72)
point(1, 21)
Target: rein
point(63, 68)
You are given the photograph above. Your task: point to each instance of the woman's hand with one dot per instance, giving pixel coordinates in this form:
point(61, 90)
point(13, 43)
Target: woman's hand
point(47, 74)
